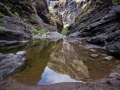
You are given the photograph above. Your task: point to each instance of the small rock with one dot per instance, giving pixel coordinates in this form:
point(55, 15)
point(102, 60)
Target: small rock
point(103, 48)
point(94, 55)
point(87, 77)
point(92, 50)
point(22, 53)
point(108, 58)
point(112, 75)
point(104, 54)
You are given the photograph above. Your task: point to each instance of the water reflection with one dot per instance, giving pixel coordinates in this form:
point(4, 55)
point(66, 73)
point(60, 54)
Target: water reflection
point(65, 60)
point(50, 77)
point(51, 62)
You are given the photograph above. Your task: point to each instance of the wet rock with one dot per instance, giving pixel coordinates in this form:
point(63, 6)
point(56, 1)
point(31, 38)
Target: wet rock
point(114, 75)
point(92, 50)
point(94, 55)
point(22, 53)
point(108, 58)
point(103, 48)
point(97, 40)
point(104, 54)
point(10, 64)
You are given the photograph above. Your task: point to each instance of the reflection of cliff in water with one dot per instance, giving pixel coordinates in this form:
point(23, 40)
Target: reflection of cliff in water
point(65, 60)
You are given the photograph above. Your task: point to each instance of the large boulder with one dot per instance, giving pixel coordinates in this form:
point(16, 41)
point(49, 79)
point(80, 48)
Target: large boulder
point(9, 64)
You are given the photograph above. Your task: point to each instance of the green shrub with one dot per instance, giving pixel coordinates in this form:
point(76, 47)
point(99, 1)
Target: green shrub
point(111, 51)
point(16, 14)
point(52, 10)
point(2, 27)
point(64, 31)
point(8, 7)
point(35, 31)
point(115, 1)
point(0, 19)
point(53, 18)
point(1, 14)
point(84, 9)
point(42, 31)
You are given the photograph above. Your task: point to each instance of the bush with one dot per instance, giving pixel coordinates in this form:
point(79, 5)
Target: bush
point(35, 31)
point(115, 1)
point(84, 9)
point(42, 31)
point(1, 14)
point(8, 7)
point(111, 51)
point(2, 27)
point(64, 31)
point(52, 10)
point(53, 18)
point(16, 14)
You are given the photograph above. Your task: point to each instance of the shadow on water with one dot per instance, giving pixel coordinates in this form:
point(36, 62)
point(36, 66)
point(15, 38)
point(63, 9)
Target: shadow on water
point(49, 62)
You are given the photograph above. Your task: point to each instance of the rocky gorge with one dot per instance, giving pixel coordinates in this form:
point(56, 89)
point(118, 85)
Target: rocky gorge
point(85, 52)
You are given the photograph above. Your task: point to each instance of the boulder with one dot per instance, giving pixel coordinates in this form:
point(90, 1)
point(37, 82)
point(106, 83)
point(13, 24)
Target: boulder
point(94, 55)
point(108, 58)
point(10, 64)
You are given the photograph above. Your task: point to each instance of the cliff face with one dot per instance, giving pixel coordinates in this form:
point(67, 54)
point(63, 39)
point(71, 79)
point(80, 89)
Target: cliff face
point(19, 17)
point(30, 11)
point(68, 9)
point(99, 25)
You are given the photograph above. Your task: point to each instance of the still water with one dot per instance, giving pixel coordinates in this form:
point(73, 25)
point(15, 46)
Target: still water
point(49, 62)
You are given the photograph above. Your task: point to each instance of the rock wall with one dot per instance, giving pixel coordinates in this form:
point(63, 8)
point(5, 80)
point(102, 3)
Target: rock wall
point(18, 18)
point(100, 26)
point(68, 9)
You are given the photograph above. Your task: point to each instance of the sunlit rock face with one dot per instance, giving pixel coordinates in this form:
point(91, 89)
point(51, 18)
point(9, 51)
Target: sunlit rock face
point(66, 61)
point(69, 9)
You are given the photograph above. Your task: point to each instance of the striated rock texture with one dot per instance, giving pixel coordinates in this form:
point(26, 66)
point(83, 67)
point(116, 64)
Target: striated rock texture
point(9, 64)
point(101, 26)
point(68, 9)
point(13, 31)
point(19, 17)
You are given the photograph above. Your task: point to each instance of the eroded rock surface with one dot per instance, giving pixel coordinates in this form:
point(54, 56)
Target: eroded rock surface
point(101, 25)
point(13, 31)
point(9, 64)
point(68, 9)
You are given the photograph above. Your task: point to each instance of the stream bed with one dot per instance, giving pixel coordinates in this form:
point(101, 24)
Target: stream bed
point(49, 62)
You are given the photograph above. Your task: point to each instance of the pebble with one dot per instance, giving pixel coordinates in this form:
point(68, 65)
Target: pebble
point(92, 50)
point(94, 55)
point(104, 54)
point(87, 77)
point(112, 75)
point(108, 58)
